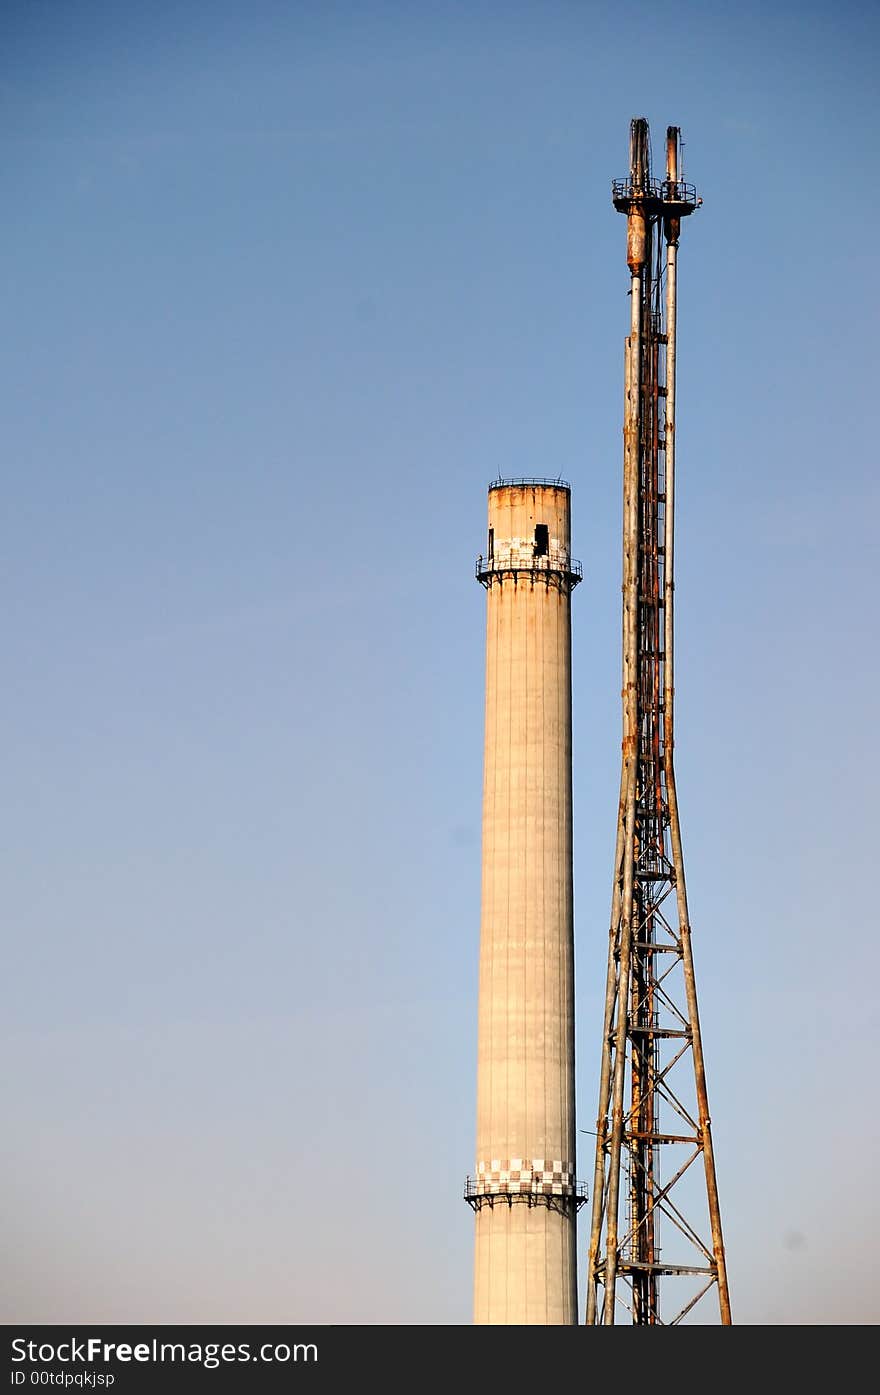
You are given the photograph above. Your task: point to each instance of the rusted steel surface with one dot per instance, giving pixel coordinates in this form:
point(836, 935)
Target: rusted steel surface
point(651, 1024)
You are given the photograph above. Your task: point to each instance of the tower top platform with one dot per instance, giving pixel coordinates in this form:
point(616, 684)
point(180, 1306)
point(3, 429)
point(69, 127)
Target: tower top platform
point(529, 481)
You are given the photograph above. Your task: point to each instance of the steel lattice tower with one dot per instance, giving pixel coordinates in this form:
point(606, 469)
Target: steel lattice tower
point(653, 1118)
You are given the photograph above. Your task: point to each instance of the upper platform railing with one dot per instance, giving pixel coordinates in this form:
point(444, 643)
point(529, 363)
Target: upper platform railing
point(674, 191)
point(529, 480)
point(508, 561)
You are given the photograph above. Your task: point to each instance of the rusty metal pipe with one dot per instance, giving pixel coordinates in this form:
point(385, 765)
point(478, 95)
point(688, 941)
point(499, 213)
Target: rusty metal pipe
point(630, 753)
point(672, 153)
point(672, 224)
point(672, 797)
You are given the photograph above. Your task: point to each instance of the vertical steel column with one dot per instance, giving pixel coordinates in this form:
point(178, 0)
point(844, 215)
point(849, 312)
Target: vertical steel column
point(624, 876)
point(672, 228)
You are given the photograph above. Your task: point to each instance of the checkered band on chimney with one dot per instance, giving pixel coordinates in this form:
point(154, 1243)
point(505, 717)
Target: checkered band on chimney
point(534, 1176)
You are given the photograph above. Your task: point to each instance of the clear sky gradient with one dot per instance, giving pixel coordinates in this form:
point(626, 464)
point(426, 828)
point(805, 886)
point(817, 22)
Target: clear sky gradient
point(285, 285)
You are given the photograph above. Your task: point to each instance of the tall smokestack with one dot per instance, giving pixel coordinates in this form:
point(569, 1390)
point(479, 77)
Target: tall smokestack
point(523, 1190)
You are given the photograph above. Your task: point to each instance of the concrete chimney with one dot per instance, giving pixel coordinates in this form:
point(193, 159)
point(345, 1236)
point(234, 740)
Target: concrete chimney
point(523, 1191)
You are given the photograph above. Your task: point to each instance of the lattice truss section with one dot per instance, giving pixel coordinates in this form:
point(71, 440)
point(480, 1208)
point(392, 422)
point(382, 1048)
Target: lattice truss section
point(661, 1137)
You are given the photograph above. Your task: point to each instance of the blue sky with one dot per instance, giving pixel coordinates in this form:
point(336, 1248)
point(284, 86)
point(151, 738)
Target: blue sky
point(285, 286)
